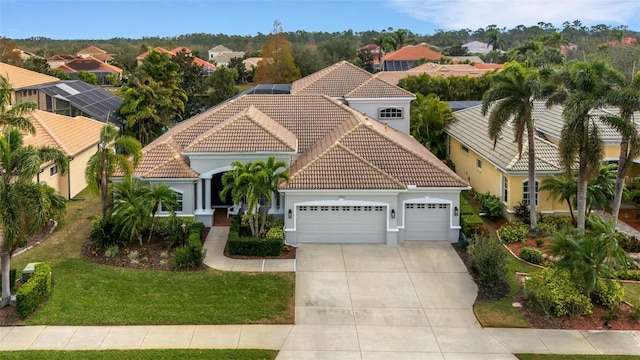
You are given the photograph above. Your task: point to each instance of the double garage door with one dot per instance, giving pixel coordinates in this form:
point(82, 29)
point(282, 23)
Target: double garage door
point(426, 221)
point(341, 224)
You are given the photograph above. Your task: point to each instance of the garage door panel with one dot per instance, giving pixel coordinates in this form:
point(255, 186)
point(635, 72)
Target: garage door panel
point(341, 224)
point(427, 221)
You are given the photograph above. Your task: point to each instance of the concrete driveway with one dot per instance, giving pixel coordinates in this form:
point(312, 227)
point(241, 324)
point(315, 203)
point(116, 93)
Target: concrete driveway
point(412, 301)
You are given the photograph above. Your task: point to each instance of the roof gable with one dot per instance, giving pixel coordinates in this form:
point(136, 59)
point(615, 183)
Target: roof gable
point(248, 131)
point(71, 135)
point(336, 80)
point(413, 52)
point(20, 78)
point(378, 88)
point(91, 50)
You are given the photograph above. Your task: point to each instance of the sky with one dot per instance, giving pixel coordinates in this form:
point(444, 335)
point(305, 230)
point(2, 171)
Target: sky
point(105, 19)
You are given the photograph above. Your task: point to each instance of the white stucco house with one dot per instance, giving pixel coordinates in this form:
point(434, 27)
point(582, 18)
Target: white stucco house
point(354, 179)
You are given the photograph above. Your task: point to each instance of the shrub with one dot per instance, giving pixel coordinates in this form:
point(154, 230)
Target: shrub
point(553, 293)
point(492, 204)
point(546, 229)
point(12, 278)
point(170, 228)
point(627, 275)
point(488, 263)
point(251, 246)
point(559, 222)
point(514, 232)
point(111, 251)
point(608, 293)
point(35, 291)
point(531, 255)
point(450, 164)
point(191, 255)
point(473, 224)
point(628, 243)
point(275, 233)
point(522, 212)
point(103, 234)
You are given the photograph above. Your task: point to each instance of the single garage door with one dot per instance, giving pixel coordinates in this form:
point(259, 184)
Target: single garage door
point(426, 222)
point(341, 224)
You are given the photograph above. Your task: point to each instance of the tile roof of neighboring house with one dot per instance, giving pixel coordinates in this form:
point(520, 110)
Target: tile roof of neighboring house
point(478, 47)
point(91, 50)
point(196, 59)
point(71, 135)
point(226, 57)
point(413, 52)
point(471, 129)
point(252, 61)
point(474, 59)
point(61, 57)
point(339, 147)
point(21, 78)
point(432, 69)
point(248, 131)
point(344, 79)
point(220, 48)
point(89, 64)
point(486, 66)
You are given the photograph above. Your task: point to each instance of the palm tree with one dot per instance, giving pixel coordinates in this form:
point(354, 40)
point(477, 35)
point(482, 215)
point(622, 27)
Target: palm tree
point(24, 205)
point(14, 115)
point(562, 187)
point(583, 86)
point(627, 100)
point(248, 182)
point(511, 100)
point(429, 118)
point(592, 256)
point(114, 153)
point(601, 189)
point(495, 40)
point(157, 194)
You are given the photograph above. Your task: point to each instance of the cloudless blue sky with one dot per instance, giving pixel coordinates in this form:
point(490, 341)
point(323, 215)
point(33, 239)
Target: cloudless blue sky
point(105, 19)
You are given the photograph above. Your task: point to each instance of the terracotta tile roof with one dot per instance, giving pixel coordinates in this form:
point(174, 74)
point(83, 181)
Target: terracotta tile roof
point(344, 79)
point(340, 168)
point(91, 50)
point(413, 52)
point(164, 160)
point(89, 64)
point(173, 52)
point(432, 69)
point(71, 135)
point(248, 131)
point(339, 148)
point(486, 66)
point(252, 61)
point(61, 57)
point(21, 78)
point(102, 57)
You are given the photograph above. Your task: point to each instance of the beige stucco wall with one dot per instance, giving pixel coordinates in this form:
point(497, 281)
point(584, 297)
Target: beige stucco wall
point(77, 168)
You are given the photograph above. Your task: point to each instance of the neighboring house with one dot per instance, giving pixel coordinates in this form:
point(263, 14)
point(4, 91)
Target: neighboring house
point(377, 52)
point(502, 171)
point(69, 97)
point(478, 47)
point(24, 55)
point(251, 62)
point(207, 67)
point(361, 91)
point(77, 137)
point(96, 53)
point(408, 56)
point(90, 65)
point(221, 55)
point(59, 60)
point(432, 69)
point(353, 179)
point(564, 49)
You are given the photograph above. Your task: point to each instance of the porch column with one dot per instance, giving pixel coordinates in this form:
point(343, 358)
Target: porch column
point(199, 194)
point(207, 193)
point(274, 201)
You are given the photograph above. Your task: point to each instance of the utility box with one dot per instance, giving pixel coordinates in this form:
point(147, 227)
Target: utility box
point(27, 272)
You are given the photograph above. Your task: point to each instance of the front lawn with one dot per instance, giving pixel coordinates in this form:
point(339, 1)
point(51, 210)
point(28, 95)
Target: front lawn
point(85, 293)
point(143, 354)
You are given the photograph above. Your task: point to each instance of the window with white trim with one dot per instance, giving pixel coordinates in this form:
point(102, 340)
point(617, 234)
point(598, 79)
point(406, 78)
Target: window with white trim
point(525, 192)
point(390, 113)
point(479, 164)
point(505, 189)
point(178, 207)
point(464, 148)
point(53, 170)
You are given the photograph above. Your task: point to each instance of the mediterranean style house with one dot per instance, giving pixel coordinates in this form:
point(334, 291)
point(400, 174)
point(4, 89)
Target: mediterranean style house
point(503, 171)
point(354, 177)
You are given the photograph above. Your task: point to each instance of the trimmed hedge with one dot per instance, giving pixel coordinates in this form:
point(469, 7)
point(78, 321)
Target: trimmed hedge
point(191, 255)
point(271, 245)
point(531, 255)
point(553, 293)
point(514, 232)
point(608, 293)
point(35, 291)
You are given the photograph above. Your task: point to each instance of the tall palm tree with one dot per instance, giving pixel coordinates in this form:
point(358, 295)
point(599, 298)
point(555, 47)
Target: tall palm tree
point(114, 153)
point(511, 100)
point(627, 100)
point(24, 205)
point(429, 118)
point(495, 40)
point(269, 175)
point(582, 88)
point(240, 182)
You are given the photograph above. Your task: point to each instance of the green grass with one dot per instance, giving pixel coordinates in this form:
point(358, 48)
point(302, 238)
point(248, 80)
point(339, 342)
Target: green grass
point(501, 313)
point(86, 293)
point(632, 293)
point(143, 354)
point(573, 357)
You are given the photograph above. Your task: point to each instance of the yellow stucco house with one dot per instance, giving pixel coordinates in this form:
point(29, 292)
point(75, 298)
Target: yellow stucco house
point(502, 171)
point(77, 137)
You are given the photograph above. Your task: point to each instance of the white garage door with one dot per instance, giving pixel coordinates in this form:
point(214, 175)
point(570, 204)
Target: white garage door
point(341, 224)
point(426, 222)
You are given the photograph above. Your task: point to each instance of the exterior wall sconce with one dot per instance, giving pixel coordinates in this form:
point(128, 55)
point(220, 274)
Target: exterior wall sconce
point(289, 214)
point(455, 211)
point(393, 214)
